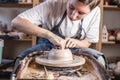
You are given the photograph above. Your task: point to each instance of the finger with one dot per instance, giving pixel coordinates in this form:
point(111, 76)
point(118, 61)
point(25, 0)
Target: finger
point(60, 42)
point(72, 45)
point(63, 42)
point(55, 41)
point(68, 43)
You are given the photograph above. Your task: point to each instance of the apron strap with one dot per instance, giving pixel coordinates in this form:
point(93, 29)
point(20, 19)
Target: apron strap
point(55, 28)
point(78, 34)
point(64, 15)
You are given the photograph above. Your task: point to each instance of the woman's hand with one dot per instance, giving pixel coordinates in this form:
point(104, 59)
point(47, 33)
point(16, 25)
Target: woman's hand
point(75, 43)
point(70, 43)
point(57, 41)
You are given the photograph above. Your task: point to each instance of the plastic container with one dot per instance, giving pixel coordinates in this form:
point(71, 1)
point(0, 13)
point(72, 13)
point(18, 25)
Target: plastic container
point(1, 49)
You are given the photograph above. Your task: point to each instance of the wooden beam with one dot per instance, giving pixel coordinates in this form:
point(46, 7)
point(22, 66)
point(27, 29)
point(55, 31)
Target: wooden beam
point(34, 38)
point(99, 44)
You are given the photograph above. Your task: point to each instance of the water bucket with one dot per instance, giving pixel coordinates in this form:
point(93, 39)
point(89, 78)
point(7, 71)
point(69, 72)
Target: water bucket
point(1, 49)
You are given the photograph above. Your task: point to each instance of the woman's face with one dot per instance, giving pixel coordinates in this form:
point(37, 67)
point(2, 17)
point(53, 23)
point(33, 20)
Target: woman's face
point(77, 10)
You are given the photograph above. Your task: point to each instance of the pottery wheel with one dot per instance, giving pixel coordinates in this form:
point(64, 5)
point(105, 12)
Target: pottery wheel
point(43, 60)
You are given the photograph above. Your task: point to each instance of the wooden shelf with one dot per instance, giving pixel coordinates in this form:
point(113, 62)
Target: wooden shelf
point(109, 42)
point(111, 7)
point(25, 39)
point(20, 40)
point(15, 4)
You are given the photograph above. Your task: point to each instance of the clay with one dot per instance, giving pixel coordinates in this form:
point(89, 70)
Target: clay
point(60, 54)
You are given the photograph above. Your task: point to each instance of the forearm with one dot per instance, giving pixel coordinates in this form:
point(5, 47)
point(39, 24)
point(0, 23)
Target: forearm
point(27, 27)
point(83, 44)
point(30, 28)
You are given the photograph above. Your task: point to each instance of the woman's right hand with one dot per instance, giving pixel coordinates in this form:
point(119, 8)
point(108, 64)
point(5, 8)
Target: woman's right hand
point(57, 41)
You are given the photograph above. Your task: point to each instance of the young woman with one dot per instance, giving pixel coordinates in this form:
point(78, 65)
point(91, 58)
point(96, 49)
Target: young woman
point(70, 24)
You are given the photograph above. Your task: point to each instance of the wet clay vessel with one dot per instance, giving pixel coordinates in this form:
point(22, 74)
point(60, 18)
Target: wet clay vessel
point(60, 54)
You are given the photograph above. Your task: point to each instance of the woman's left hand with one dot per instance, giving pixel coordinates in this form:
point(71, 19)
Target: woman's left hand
point(70, 43)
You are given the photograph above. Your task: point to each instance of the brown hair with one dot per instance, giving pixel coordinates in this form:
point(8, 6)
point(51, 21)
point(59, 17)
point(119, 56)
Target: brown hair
point(92, 3)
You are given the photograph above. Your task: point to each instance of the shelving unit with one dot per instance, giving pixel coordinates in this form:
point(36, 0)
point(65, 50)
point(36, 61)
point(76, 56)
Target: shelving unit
point(109, 42)
point(111, 16)
point(22, 5)
point(19, 5)
point(15, 47)
point(12, 48)
point(110, 8)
